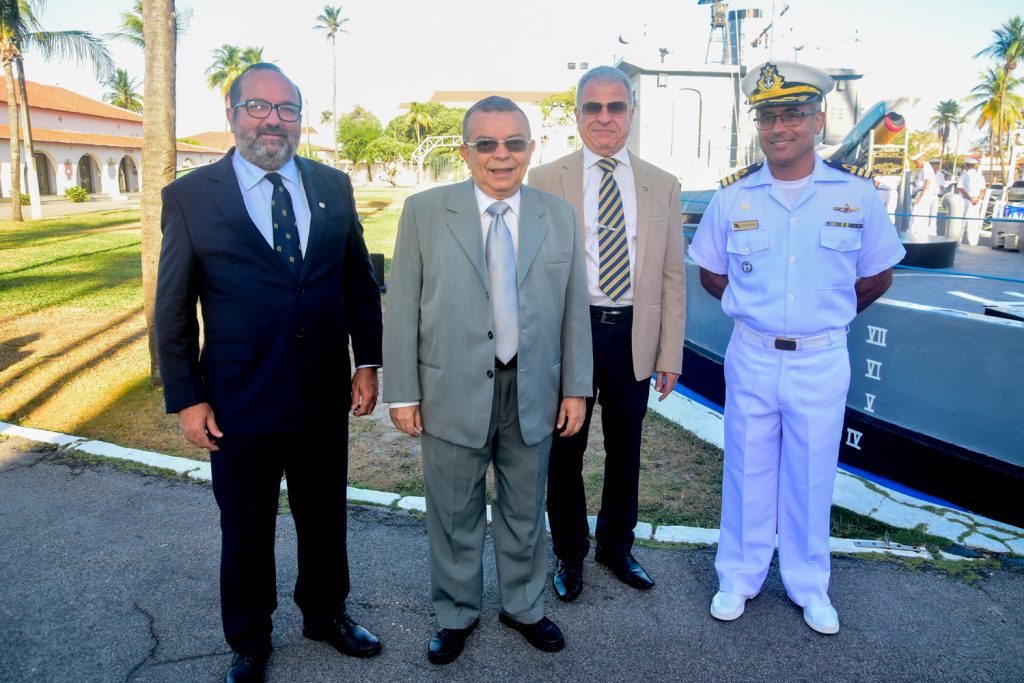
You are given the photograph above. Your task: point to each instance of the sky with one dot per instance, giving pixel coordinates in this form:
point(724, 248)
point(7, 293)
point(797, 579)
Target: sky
point(399, 51)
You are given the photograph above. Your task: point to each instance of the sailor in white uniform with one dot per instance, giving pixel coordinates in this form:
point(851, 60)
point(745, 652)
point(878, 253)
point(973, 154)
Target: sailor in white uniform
point(972, 188)
point(794, 249)
point(941, 181)
point(926, 201)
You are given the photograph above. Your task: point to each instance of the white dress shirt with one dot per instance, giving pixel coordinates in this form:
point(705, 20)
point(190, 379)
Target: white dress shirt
point(623, 175)
point(511, 216)
point(257, 192)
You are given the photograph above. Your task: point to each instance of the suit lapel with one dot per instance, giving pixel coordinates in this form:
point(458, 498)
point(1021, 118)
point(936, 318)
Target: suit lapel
point(572, 189)
point(227, 195)
point(533, 230)
point(644, 198)
point(316, 213)
point(464, 224)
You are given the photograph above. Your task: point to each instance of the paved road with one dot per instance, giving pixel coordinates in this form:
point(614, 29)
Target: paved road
point(111, 576)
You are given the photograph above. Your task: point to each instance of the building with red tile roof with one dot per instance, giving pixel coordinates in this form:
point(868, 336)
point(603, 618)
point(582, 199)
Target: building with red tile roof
point(81, 141)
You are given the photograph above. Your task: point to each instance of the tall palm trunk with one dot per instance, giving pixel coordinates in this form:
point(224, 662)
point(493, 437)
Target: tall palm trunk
point(158, 149)
point(30, 158)
point(12, 110)
point(334, 97)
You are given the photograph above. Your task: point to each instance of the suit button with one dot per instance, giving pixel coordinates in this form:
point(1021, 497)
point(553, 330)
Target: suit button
point(490, 335)
point(300, 290)
point(490, 374)
point(300, 333)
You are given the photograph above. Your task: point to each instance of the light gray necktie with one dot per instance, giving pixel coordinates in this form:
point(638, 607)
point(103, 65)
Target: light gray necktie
point(501, 269)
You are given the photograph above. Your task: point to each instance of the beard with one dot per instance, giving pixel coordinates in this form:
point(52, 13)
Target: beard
point(270, 154)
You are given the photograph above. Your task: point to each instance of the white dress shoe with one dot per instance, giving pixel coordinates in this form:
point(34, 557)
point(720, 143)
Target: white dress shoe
point(728, 606)
point(822, 619)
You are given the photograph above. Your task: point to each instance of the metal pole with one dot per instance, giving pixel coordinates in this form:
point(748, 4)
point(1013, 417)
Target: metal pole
point(905, 187)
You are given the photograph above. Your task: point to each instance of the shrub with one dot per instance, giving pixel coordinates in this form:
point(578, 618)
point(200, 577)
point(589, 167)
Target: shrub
point(76, 194)
point(25, 199)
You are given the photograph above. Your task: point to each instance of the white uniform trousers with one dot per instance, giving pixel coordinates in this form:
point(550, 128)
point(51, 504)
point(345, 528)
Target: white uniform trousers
point(923, 221)
point(783, 424)
point(972, 222)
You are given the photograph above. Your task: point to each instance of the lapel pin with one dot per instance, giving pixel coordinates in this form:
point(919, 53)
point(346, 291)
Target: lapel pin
point(322, 205)
point(744, 206)
point(645, 187)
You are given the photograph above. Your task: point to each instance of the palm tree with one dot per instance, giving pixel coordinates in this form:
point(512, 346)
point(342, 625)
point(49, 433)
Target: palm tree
point(946, 114)
point(132, 25)
point(331, 22)
point(159, 151)
point(996, 105)
point(228, 62)
point(124, 92)
point(251, 55)
point(418, 119)
point(1007, 47)
point(20, 29)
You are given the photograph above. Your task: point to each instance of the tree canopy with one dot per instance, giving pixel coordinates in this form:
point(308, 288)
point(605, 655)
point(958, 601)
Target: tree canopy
point(123, 91)
point(356, 130)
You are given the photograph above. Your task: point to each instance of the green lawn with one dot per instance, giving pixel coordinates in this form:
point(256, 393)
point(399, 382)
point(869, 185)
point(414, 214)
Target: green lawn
point(74, 358)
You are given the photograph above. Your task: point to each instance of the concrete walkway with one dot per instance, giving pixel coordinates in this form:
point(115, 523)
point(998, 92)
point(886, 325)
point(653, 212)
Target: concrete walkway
point(111, 576)
point(967, 530)
point(54, 206)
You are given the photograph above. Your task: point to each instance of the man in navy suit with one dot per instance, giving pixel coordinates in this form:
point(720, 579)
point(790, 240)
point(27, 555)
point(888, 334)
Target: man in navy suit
point(271, 246)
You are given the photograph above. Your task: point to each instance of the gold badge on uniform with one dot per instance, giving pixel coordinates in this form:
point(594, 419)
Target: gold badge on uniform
point(846, 208)
point(744, 225)
point(744, 206)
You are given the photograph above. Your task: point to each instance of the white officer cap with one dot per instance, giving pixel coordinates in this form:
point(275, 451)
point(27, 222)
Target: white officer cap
point(776, 83)
point(970, 161)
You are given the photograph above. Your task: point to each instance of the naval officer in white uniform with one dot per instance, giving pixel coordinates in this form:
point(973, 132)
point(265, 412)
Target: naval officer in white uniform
point(794, 249)
point(972, 188)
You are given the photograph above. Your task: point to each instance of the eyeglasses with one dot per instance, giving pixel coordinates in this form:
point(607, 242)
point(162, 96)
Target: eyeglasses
point(260, 109)
point(790, 119)
point(617, 108)
point(490, 145)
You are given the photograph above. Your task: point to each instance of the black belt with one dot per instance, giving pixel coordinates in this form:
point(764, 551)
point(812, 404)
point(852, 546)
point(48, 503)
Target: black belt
point(512, 362)
point(607, 315)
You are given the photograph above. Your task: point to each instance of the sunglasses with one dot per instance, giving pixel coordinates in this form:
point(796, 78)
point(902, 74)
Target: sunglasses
point(617, 108)
point(490, 145)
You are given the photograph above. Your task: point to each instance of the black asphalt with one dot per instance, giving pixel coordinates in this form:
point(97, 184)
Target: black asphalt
point(112, 576)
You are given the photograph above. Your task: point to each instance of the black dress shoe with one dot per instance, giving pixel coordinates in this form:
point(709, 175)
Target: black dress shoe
point(543, 635)
point(446, 646)
point(246, 668)
point(626, 568)
point(347, 637)
point(568, 579)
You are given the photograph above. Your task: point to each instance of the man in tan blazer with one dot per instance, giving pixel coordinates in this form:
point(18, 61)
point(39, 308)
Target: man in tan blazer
point(629, 215)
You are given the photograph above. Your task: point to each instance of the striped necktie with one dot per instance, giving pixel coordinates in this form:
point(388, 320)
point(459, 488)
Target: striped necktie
point(501, 271)
point(612, 250)
point(286, 230)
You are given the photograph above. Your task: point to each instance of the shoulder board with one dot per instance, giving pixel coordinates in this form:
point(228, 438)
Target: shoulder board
point(733, 177)
point(851, 169)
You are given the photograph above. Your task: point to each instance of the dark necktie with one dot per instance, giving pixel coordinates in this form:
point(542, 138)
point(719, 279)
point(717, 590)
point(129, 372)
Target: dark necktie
point(612, 250)
point(286, 230)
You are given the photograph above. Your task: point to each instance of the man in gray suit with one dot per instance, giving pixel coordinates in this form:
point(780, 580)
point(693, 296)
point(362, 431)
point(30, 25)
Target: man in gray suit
point(486, 327)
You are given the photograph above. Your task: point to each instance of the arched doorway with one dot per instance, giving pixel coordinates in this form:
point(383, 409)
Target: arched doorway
point(44, 173)
point(128, 175)
point(88, 174)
